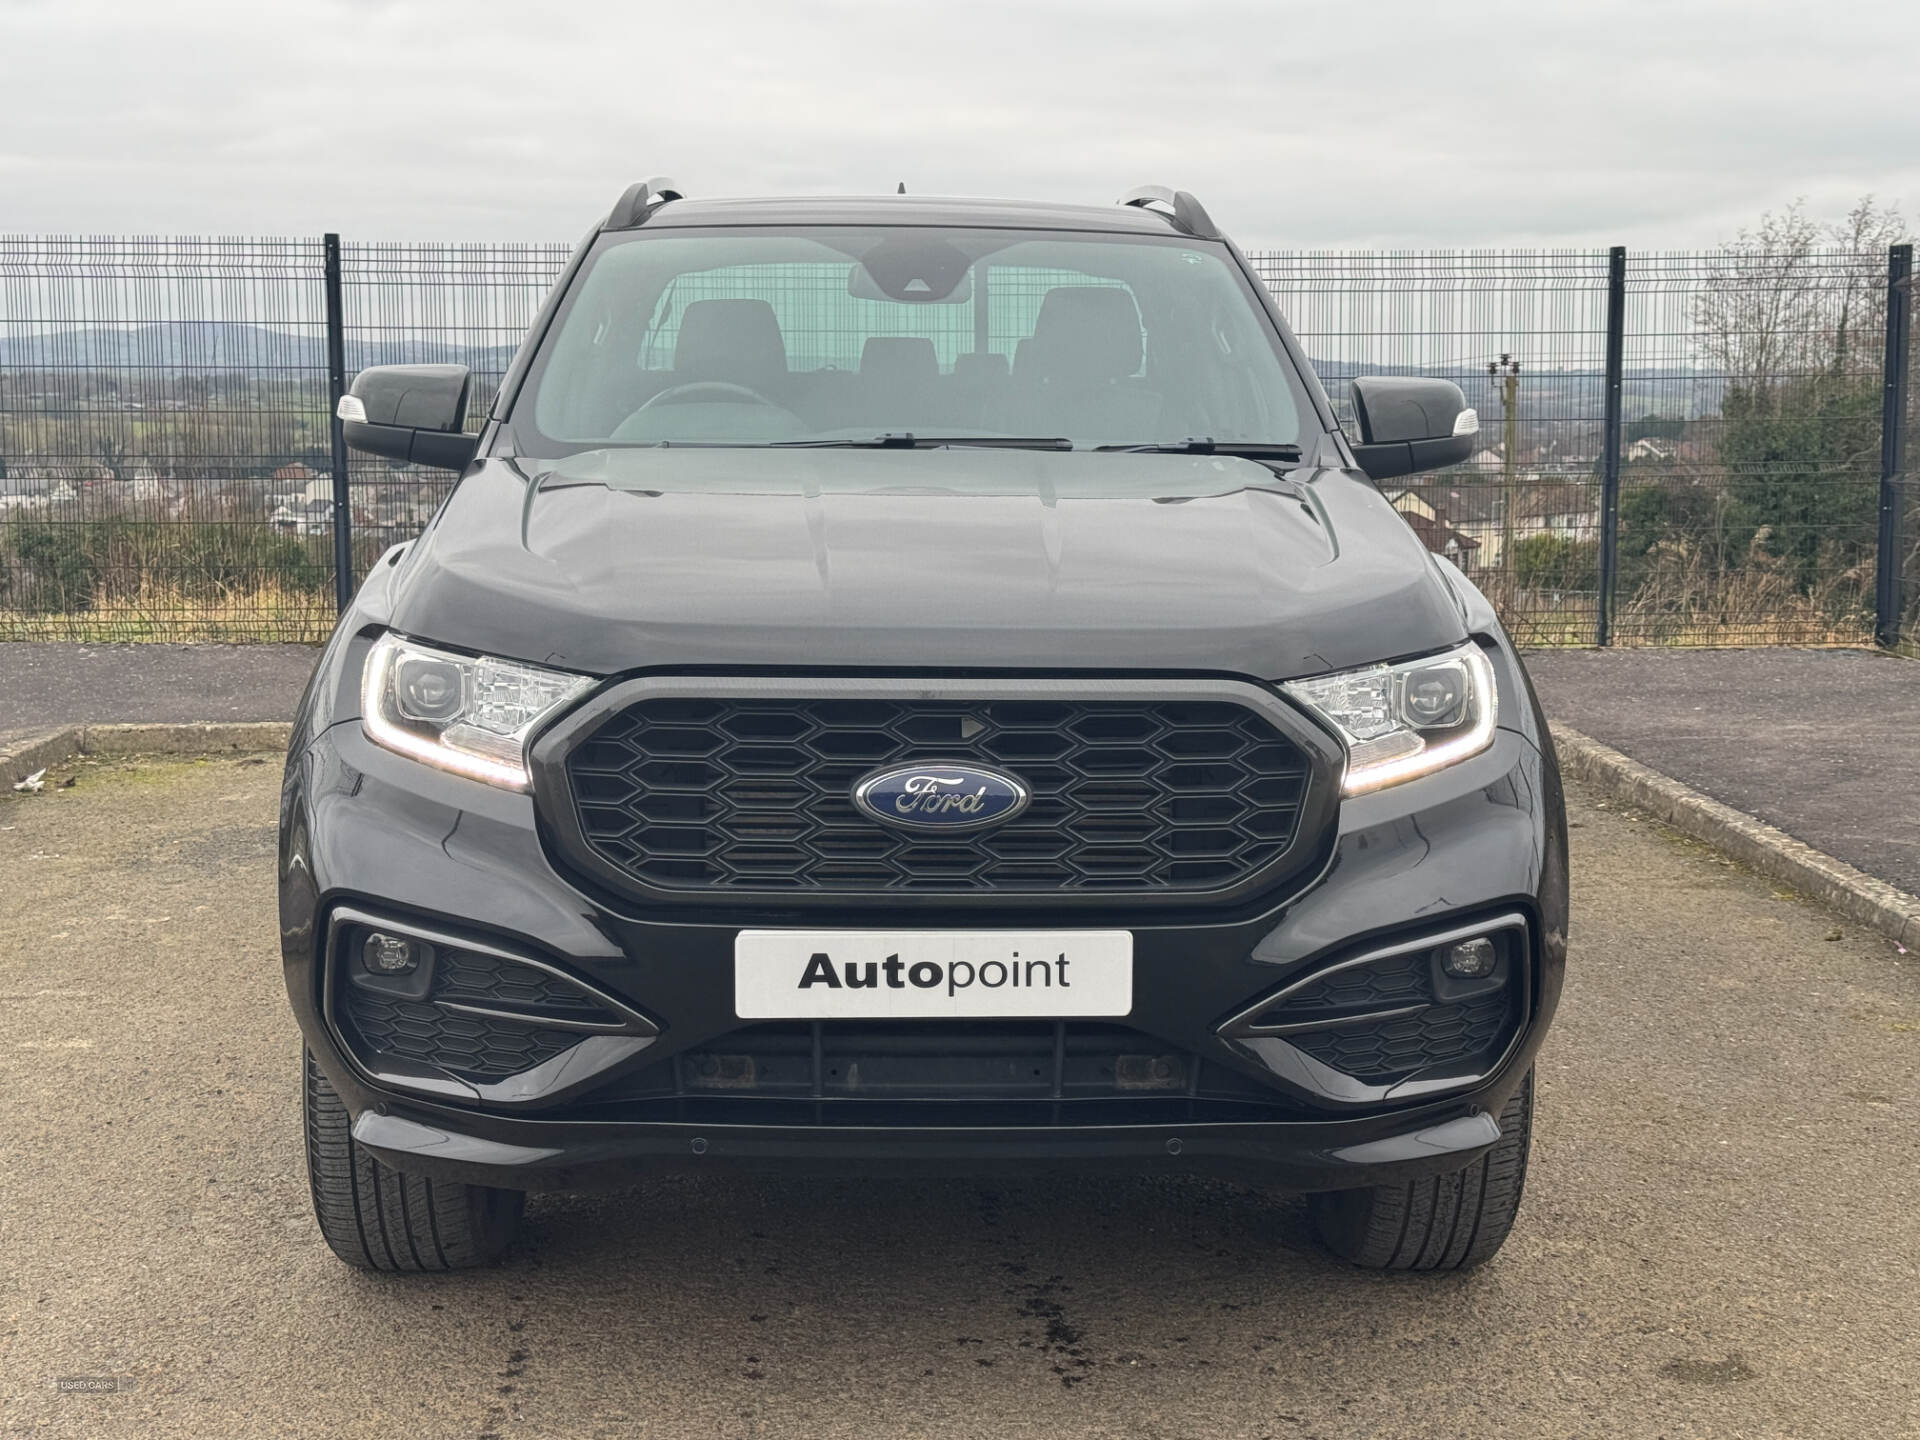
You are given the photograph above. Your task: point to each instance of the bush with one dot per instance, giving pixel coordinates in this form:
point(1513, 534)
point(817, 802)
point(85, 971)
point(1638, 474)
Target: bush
point(52, 566)
point(1556, 562)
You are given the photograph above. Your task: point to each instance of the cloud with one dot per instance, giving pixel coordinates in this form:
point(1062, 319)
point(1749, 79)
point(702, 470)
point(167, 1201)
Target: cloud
point(1389, 124)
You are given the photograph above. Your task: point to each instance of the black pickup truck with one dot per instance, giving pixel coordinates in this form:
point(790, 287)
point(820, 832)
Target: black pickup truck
point(917, 684)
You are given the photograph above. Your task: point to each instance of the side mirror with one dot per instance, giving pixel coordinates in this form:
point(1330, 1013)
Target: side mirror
point(410, 412)
point(1408, 423)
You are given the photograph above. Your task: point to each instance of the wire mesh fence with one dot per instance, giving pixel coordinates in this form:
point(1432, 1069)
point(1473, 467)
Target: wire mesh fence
point(466, 304)
point(166, 469)
point(1523, 333)
point(159, 397)
point(1750, 484)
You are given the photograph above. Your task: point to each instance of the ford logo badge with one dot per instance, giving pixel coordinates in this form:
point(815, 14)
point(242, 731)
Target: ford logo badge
point(933, 795)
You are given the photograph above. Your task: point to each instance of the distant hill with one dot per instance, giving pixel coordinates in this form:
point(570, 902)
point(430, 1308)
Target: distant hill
point(231, 345)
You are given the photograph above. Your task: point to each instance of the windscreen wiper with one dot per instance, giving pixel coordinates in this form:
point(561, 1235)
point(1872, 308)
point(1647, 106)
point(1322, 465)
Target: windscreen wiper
point(1206, 445)
point(905, 440)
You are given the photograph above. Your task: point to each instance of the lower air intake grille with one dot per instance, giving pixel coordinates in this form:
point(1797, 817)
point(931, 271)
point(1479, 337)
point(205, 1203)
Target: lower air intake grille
point(1386, 1051)
point(1387, 1017)
point(433, 1016)
point(466, 1045)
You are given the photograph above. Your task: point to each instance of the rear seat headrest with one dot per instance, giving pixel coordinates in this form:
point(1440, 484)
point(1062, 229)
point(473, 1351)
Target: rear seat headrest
point(980, 364)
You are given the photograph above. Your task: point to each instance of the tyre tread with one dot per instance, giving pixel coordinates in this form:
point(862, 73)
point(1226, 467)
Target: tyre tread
point(377, 1218)
point(1439, 1222)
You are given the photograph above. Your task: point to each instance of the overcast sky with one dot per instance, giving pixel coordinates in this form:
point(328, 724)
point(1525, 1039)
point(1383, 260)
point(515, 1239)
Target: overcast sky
point(1560, 122)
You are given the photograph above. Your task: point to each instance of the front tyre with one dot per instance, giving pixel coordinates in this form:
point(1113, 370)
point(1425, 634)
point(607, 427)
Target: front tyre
point(1444, 1222)
point(376, 1218)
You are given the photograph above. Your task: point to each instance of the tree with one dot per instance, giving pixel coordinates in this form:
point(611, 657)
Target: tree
point(1656, 427)
point(1791, 295)
point(1784, 318)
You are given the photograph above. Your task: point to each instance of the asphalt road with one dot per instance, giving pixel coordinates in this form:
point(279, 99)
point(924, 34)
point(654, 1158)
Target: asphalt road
point(1719, 1237)
point(1821, 743)
point(49, 683)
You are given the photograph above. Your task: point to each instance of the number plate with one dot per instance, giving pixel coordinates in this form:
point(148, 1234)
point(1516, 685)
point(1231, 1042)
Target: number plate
point(932, 974)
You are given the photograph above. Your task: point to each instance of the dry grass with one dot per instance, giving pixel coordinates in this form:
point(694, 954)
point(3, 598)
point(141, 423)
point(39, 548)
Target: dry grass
point(1685, 600)
point(265, 613)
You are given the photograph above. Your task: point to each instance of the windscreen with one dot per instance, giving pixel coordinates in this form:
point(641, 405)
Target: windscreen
point(767, 336)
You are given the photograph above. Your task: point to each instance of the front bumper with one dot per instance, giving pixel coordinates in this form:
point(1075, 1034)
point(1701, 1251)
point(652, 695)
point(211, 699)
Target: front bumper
point(365, 828)
point(523, 1154)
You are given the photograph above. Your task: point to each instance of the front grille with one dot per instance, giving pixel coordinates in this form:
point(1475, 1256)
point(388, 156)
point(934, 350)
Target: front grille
point(749, 794)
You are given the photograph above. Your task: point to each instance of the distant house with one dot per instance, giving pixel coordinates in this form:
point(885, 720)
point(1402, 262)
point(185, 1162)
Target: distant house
point(1429, 521)
point(1557, 506)
point(1650, 448)
point(302, 517)
point(294, 477)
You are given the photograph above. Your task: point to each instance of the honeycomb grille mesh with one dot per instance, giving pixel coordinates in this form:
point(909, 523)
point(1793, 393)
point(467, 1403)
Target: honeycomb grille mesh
point(1397, 980)
point(478, 1047)
point(1150, 795)
point(476, 979)
point(1390, 1050)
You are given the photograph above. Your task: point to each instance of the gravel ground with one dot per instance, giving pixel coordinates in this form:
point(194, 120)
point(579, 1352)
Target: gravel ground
point(1719, 1237)
point(1824, 744)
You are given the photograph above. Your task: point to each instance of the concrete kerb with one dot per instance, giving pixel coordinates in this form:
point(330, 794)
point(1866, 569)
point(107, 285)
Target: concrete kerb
point(1760, 847)
point(22, 755)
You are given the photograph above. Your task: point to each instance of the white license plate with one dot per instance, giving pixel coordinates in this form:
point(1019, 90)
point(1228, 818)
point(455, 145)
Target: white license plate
point(932, 974)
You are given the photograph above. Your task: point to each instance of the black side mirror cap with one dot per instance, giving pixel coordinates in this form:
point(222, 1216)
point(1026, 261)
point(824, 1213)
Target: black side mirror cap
point(414, 413)
point(1409, 423)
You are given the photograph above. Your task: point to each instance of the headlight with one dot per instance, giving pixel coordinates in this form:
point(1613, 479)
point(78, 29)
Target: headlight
point(1399, 721)
point(471, 716)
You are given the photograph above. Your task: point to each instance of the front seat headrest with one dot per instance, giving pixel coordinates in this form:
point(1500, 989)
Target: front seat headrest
point(1085, 334)
point(737, 341)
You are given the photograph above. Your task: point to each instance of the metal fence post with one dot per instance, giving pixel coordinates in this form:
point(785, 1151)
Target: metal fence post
point(1610, 444)
point(336, 387)
point(1893, 445)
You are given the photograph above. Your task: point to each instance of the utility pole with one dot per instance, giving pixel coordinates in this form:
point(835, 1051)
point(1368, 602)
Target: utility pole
point(1506, 372)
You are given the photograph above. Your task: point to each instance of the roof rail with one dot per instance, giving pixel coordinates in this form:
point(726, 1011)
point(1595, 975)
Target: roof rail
point(640, 201)
point(1179, 206)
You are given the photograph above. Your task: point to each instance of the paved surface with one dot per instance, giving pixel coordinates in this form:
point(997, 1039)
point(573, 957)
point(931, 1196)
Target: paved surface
point(1823, 744)
point(1719, 1237)
point(45, 684)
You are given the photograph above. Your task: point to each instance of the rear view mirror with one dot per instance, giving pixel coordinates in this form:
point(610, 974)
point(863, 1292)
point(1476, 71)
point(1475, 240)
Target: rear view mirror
point(414, 413)
point(1409, 423)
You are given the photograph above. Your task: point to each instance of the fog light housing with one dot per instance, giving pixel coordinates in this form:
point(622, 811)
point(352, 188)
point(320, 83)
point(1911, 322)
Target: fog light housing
point(1470, 959)
point(385, 954)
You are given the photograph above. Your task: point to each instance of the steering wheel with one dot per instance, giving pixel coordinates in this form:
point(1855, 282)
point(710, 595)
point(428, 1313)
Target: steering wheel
point(709, 392)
